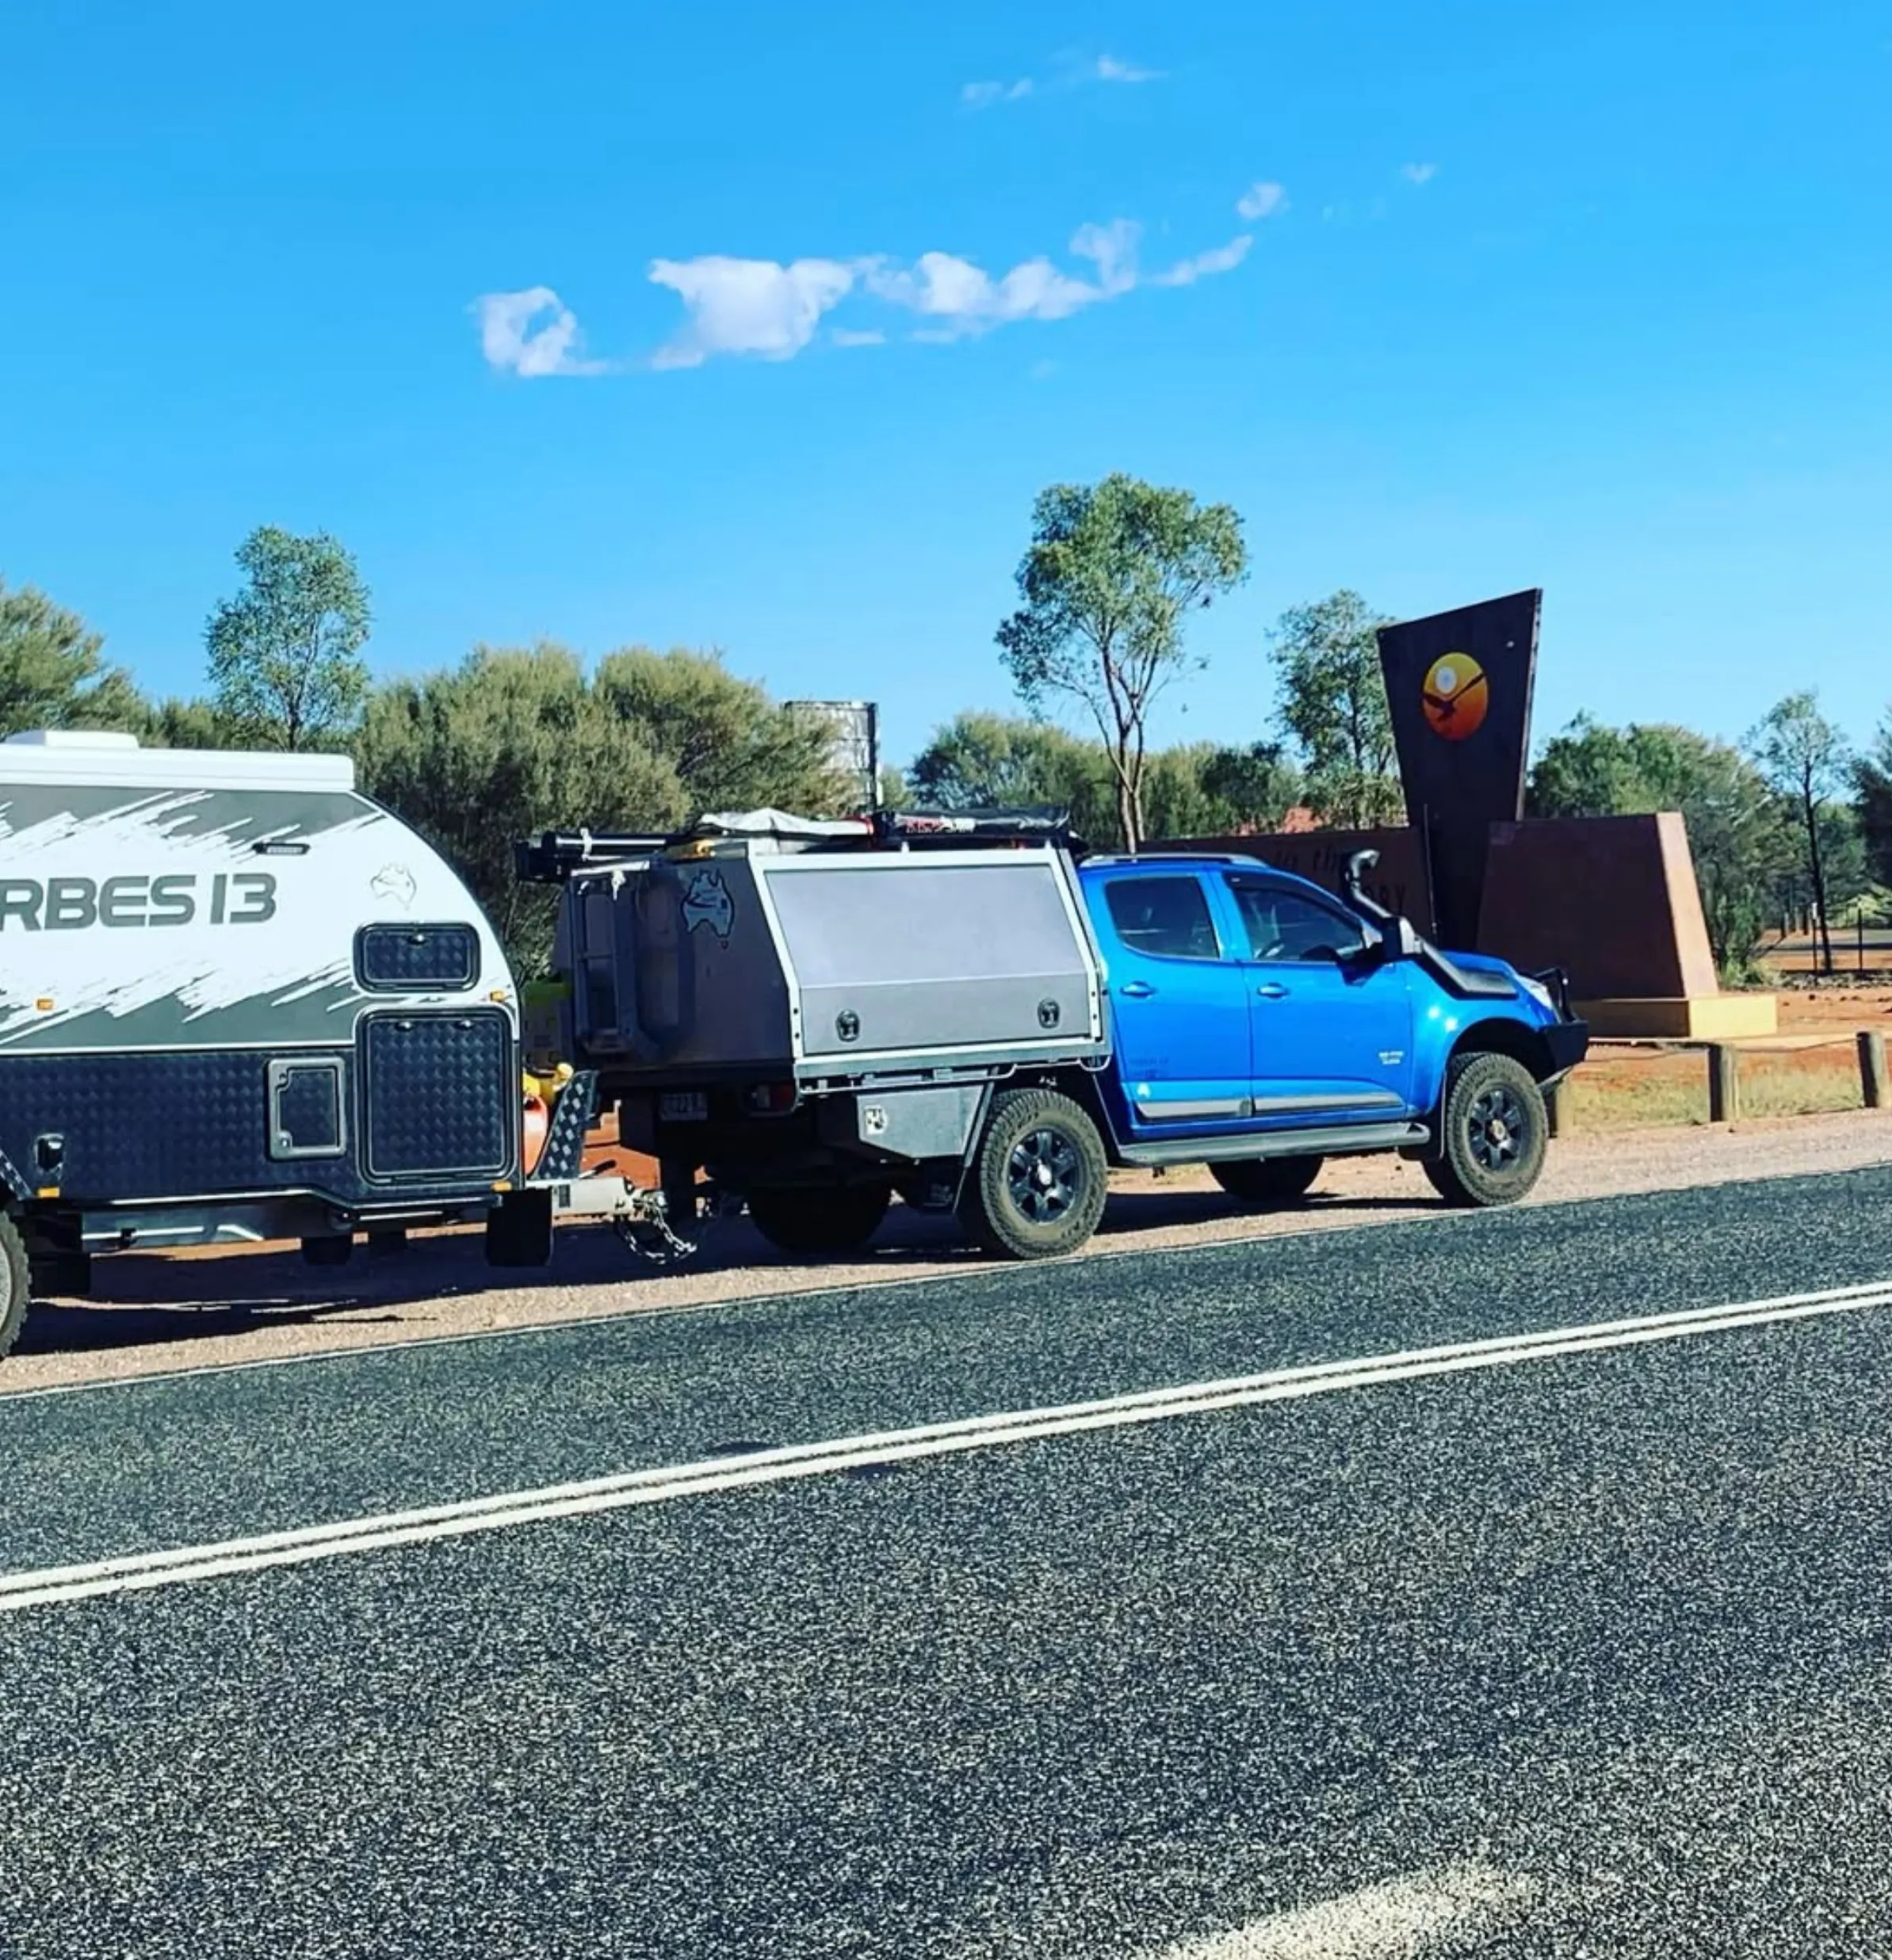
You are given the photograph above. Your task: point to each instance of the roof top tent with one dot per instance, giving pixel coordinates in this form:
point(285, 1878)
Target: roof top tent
point(764, 947)
point(239, 1000)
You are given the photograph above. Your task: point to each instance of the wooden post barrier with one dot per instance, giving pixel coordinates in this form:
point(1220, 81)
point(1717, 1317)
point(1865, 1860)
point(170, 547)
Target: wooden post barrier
point(1556, 1108)
point(1872, 1068)
point(1724, 1084)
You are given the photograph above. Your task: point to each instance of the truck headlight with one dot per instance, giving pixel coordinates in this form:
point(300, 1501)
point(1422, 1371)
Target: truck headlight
point(1538, 992)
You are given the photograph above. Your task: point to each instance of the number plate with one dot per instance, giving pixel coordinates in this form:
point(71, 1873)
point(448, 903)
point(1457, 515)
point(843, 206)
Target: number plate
point(687, 1106)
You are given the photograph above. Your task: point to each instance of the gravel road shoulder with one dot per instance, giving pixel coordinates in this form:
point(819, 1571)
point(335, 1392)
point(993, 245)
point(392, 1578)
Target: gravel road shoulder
point(155, 1314)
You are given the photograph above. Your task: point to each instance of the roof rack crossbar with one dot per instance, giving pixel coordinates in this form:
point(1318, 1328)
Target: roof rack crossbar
point(552, 858)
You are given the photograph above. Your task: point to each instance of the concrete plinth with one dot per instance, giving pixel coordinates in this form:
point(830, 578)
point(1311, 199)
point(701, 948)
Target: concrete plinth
point(1685, 1017)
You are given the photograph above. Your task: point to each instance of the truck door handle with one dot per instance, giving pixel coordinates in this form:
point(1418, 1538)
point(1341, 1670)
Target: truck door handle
point(1138, 990)
point(1273, 991)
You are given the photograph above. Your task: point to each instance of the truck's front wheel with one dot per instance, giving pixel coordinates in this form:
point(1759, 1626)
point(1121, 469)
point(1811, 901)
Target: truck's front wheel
point(16, 1283)
point(1038, 1185)
point(808, 1219)
point(1492, 1128)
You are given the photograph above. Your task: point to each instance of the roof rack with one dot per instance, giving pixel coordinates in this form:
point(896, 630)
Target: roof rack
point(555, 857)
point(1033, 824)
point(552, 858)
point(1183, 856)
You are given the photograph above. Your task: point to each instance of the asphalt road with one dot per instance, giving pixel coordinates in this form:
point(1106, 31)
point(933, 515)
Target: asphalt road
point(1582, 1653)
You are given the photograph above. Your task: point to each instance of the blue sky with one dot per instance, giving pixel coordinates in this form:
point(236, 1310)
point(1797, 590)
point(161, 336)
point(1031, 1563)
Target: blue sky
point(1446, 299)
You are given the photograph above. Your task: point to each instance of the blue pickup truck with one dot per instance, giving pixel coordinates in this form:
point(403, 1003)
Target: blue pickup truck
point(806, 1020)
point(1261, 1025)
point(977, 1019)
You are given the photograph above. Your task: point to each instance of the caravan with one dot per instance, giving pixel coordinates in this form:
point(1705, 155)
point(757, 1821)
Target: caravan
point(238, 1002)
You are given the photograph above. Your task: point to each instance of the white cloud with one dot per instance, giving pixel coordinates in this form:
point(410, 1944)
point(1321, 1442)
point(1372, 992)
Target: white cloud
point(510, 339)
point(748, 306)
point(963, 298)
point(985, 95)
point(943, 287)
point(1069, 71)
point(1419, 173)
point(1261, 200)
point(1205, 265)
point(1108, 68)
point(773, 311)
point(1112, 248)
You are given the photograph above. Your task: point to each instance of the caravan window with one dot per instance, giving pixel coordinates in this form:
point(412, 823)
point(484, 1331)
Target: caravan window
point(417, 959)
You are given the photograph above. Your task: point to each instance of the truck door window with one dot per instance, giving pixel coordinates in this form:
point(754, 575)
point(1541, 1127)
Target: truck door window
point(1283, 926)
point(1167, 917)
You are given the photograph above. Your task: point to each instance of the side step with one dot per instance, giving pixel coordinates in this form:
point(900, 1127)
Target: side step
point(1341, 1140)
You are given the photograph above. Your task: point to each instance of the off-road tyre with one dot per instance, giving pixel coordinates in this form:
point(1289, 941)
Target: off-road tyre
point(16, 1283)
point(807, 1221)
point(1492, 1130)
point(1038, 1183)
point(1268, 1181)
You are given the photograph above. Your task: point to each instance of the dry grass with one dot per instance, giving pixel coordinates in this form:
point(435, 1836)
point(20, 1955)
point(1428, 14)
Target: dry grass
point(1663, 1088)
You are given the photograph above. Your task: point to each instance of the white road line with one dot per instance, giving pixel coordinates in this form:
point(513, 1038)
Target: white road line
point(1403, 1917)
point(139, 1571)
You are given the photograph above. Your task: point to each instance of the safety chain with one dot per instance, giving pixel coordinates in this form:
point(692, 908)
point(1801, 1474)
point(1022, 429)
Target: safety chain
point(670, 1248)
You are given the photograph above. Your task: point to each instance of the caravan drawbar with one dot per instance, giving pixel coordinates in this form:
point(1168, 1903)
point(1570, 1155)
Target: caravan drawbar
point(239, 1002)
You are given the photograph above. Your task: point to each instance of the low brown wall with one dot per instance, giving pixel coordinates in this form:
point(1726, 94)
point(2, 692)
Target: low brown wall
point(1611, 900)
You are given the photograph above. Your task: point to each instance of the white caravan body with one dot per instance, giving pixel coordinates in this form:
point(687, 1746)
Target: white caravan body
point(238, 999)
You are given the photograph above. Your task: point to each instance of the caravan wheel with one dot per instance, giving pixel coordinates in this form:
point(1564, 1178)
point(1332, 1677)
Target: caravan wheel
point(16, 1286)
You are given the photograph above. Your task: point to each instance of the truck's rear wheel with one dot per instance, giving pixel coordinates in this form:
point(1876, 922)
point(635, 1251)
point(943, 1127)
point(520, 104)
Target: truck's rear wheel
point(809, 1219)
point(16, 1284)
point(1038, 1183)
point(1492, 1128)
point(1267, 1180)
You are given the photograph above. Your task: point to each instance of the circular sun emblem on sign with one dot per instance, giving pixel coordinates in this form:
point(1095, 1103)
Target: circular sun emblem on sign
point(1457, 695)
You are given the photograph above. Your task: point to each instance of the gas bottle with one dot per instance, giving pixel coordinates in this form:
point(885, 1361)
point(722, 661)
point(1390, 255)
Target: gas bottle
point(536, 1127)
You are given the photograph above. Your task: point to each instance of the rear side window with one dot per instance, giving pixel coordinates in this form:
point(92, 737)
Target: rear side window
point(417, 959)
point(1167, 916)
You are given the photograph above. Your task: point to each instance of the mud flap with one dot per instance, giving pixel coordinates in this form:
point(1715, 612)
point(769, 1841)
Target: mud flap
point(518, 1230)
